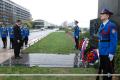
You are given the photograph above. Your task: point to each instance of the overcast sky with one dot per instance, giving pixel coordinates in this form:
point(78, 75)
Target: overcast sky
point(58, 11)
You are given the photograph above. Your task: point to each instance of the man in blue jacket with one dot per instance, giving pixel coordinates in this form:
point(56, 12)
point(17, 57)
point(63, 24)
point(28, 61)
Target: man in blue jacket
point(76, 34)
point(4, 34)
point(26, 33)
point(11, 36)
point(107, 44)
point(23, 35)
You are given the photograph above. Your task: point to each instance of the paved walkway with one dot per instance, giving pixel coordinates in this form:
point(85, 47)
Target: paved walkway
point(43, 60)
point(5, 54)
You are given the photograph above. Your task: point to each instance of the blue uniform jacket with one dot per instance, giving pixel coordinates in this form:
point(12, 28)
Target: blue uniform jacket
point(3, 32)
point(26, 32)
point(76, 31)
point(22, 32)
point(108, 33)
point(11, 33)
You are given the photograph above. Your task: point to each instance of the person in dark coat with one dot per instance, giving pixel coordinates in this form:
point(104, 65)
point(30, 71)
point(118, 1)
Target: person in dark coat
point(17, 39)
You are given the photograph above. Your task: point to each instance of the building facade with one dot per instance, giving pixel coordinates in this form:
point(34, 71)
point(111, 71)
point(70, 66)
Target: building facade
point(10, 12)
point(42, 24)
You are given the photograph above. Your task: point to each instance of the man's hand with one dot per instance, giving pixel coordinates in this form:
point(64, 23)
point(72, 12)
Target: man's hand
point(18, 41)
point(76, 36)
point(111, 57)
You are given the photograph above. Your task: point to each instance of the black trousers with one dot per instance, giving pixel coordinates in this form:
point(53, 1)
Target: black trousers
point(22, 42)
point(17, 47)
point(4, 42)
point(106, 66)
point(11, 43)
point(76, 42)
point(26, 40)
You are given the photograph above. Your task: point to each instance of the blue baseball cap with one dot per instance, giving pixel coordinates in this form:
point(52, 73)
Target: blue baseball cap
point(106, 11)
point(76, 21)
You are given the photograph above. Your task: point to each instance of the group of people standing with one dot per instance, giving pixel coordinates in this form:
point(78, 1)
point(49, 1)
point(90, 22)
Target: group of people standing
point(18, 35)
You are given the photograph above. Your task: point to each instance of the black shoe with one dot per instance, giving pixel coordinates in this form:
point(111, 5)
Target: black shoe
point(19, 57)
point(3, 46)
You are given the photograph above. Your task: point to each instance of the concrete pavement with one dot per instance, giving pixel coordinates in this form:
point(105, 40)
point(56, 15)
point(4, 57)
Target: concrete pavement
point(43, 60)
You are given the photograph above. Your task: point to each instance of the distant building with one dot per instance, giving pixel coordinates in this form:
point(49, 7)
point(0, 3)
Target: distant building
point(38, 24)
point(42, 24)
point(10, 12)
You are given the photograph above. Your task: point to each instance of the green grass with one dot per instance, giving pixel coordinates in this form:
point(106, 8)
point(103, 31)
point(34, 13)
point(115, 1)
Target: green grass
point(117, 60)
point(47, 78)
point(57, 42)
point(87, 34)
point(38, 70)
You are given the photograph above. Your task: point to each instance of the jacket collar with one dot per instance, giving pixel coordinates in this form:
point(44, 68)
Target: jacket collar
point(103, 25)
